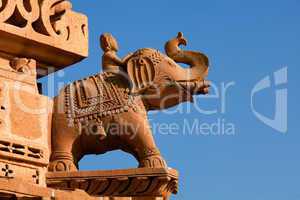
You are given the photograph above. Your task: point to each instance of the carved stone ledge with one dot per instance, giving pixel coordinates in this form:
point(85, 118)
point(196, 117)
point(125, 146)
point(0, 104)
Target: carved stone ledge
point(140, 182)
point(45, 30)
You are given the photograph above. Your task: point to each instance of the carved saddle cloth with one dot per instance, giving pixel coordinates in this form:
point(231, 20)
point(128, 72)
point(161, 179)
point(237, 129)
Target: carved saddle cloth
point(97, 96)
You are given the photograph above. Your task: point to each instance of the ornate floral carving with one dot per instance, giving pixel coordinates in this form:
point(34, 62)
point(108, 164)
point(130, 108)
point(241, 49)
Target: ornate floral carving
point(43, 24)
point(7, 171)
point(36, 177)
point(48, 17)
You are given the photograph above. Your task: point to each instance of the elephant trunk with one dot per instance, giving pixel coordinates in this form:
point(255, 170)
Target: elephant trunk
point(197, 61)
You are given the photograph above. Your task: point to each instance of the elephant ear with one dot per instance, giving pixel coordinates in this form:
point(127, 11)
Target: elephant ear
point(141, 72)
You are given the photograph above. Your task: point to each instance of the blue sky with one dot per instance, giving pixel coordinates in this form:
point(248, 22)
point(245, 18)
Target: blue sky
point(245, 41)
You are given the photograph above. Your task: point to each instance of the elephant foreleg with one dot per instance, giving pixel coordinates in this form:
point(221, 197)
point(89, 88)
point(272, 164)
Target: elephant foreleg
point(64, 139)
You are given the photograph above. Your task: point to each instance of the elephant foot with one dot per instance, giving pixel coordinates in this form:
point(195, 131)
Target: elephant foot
point(152, 159)
point(62, 166)
point(61, 162)
point(153, 162)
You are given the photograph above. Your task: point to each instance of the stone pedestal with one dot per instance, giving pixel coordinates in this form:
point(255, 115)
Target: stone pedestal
point(140, 183)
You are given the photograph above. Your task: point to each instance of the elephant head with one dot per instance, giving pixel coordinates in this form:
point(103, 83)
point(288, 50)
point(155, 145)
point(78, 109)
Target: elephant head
point(163, 83)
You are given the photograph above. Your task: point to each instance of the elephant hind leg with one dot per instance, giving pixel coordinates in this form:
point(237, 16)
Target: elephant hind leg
point(139, 138)
point(152, 159)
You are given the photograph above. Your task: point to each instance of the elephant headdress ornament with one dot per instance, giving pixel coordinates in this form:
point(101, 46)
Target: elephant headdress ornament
point(108, 111)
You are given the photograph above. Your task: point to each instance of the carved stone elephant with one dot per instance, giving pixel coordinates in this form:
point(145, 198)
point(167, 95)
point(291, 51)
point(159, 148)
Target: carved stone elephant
point(108, 111)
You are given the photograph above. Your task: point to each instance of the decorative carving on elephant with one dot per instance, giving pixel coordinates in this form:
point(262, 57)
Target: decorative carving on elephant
point(108, 111)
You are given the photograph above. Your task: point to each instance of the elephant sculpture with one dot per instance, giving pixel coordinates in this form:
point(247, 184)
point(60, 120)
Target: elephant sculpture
point(108, 111)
